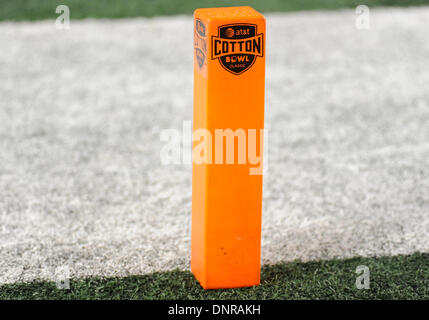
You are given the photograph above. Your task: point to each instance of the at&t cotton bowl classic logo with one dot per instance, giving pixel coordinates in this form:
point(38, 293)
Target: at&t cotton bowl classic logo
point(200, 42)
point(237, 46)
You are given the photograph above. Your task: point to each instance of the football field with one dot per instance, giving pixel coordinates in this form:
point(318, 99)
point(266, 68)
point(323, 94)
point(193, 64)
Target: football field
point(82, 185)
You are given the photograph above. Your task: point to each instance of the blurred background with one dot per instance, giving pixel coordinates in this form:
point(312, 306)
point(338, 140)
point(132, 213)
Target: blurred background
point(42, 9)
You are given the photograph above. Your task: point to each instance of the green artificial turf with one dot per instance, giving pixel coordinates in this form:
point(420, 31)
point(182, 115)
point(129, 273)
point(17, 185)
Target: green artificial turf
point(399, 277)
point(45, 9)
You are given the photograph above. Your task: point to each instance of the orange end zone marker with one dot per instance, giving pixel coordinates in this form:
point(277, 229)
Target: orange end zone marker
point(229, 81)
